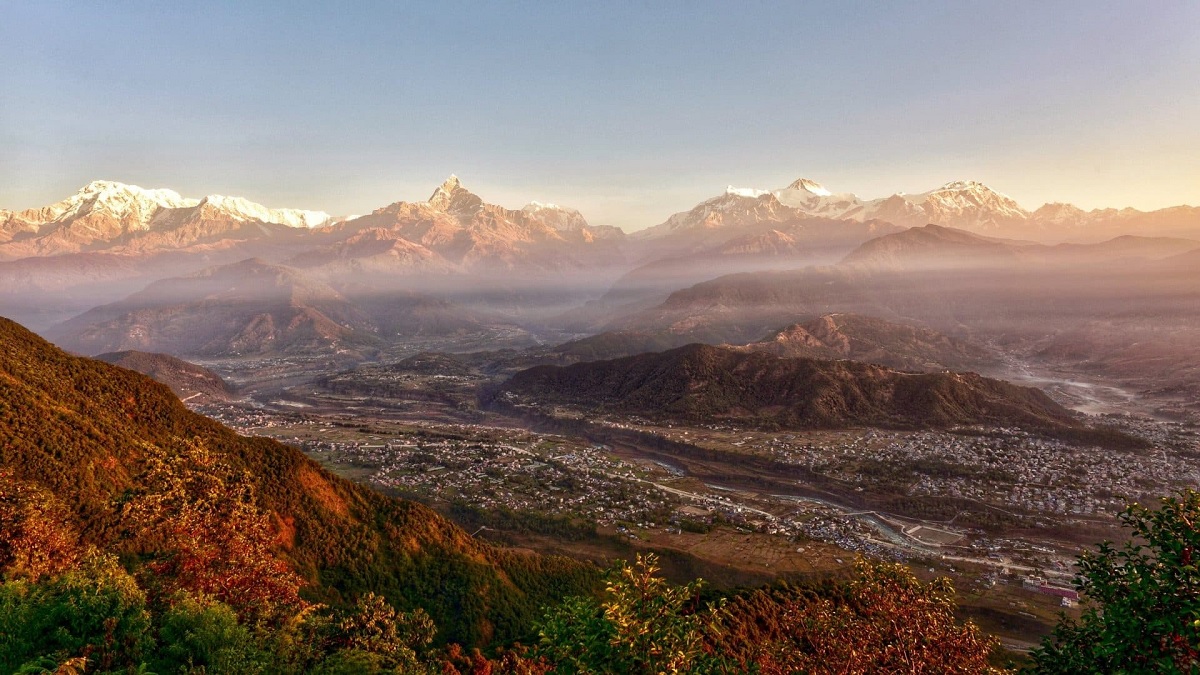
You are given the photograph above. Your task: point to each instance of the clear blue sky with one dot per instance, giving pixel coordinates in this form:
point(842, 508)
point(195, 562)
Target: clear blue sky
point(628, 111)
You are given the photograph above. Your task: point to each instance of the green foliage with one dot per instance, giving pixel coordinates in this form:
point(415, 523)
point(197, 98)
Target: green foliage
point(95, 612)
point(644, 625)
point(1143, 612)
point(374, 627)
point(883, 621)
point(352, 662)
point(200, 634)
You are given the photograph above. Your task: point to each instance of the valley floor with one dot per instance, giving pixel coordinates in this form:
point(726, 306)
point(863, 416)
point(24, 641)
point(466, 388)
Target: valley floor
point(1002, 512)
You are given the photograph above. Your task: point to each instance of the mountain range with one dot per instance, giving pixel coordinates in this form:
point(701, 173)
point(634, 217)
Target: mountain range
point(245, 308)
point(255, 307)
point(100, 265)
point(460, 228)
point(965, 205)
point(453, 226)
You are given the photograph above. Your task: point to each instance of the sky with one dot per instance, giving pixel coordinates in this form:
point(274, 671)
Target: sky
point(628, 111)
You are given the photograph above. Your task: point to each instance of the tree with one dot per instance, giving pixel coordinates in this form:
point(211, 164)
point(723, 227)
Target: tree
point(198, 634)
point(215, 541)
point(886, 622)
point(1142, 611)
point(644, 625)
point(36, 539)
point(391, 639)
point(94, 613)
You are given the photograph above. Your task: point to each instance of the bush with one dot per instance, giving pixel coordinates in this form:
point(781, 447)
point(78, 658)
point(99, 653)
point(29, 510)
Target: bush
point(1143, 599)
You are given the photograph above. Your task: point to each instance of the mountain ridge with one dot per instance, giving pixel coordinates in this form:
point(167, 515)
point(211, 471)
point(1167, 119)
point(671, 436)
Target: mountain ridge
point(960, 204)
point(702, 383)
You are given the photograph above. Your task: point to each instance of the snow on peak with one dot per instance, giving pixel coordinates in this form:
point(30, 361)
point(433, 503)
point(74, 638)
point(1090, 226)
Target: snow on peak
point(745, 192)
point(558, 217)
point(444, 192)
point(451, 184)
point(973, 192)
point(539, 206)
point(246, 210)
point(964, 186)
point(117, 200)
point(452, 197)
point(810, 186)
point(107, 192)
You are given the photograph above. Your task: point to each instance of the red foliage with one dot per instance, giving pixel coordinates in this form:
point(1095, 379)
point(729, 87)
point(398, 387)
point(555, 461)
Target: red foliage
point(214, 539)
point(889, 622)
point(36, 538)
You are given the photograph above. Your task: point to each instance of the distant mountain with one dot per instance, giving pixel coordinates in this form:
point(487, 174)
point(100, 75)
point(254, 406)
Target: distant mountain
point(937, 247)
point(250, 307)
point(738, 213)
point(137, 232)
point(464, 231)
point(84, 431)
point(761, 237)
point(873, 340)
point(962, 204)
point(934, 247)
point(704, 384)
point(965, 205)
point(372, 250)
point(107, 214)
point(188, 380)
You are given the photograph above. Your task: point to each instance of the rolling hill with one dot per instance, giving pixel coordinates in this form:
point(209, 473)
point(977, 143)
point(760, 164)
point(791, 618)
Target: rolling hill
point(702, 384)
point(188, 380)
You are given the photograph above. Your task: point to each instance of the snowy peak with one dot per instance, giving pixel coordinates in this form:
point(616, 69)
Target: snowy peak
point(974, 191)
point(970, 205)
point(749, 193)
point(246, 211)
point(118, 200)
point(559, 217)
point(451, 197)
point(962, 204)
point(142, 206)
point(965, 185)
point(809, 186)
point(106, 190)
point(449, 185)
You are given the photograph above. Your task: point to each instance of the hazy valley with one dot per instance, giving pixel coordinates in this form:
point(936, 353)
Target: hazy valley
point(758, 389)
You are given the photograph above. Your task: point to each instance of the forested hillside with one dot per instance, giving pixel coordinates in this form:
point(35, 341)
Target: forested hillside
point(95, 439)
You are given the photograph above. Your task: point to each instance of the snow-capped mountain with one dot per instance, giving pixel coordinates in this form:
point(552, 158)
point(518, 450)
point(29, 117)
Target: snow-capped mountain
point(104, 212)
point(246, 210)
point(454, 230)
point(463, 229)
point(965, 205)
point(962, 204)
point(559, 217)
